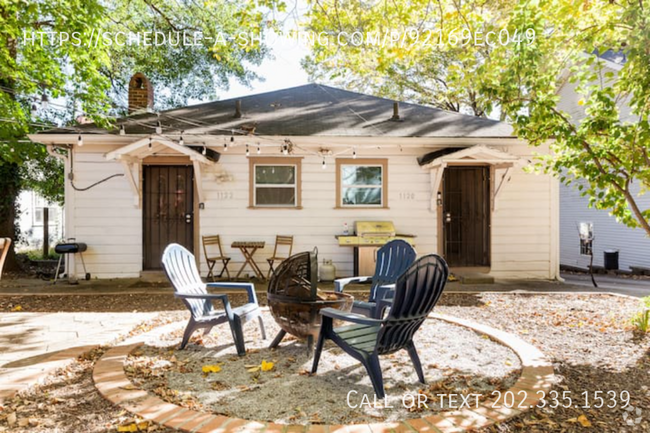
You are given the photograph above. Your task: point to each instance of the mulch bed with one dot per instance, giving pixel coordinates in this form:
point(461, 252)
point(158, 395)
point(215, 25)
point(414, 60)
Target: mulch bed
point(589, 338)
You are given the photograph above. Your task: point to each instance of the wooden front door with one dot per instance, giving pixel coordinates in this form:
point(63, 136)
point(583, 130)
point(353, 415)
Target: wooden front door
point(168, 214)
point(466, 216)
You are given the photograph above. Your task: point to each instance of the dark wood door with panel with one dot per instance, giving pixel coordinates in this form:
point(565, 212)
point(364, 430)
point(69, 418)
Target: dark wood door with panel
point(168, 211)
point(466, 216)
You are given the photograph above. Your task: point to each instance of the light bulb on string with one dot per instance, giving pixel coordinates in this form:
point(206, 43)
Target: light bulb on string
point(180, 140)
point(247, 151)
point(205, 151)
point(150, 142)
point(122, 130)
point(159, 128)
point(45, 101)
point(285, 149)
point(232, 135)
point(324, 166)
point(354, 153)
point(80, 141)
point(259, 150)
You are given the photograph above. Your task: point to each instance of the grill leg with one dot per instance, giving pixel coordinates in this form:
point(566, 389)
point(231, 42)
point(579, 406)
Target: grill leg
point(310, 343)
point(278, 338)
point(83, 263)
point(58, 266)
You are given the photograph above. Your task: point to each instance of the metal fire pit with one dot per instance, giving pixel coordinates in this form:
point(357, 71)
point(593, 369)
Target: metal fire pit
point(294, 298)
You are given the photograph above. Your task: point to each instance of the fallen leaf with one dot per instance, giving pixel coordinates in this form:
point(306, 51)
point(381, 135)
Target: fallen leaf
point(584, 421)
point(211, 369)
point(17, 308)
point(11, 418)
point(267, 366)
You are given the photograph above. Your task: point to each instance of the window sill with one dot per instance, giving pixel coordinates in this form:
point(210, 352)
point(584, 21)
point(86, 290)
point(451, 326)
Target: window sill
point(275, 207)
point(362, 207)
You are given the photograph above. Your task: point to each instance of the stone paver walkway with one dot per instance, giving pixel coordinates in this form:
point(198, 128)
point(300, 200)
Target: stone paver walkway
point(34, 344)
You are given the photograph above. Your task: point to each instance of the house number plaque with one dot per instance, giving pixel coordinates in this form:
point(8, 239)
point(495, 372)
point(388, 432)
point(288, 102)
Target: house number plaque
point(225, 195)
point(407, 196)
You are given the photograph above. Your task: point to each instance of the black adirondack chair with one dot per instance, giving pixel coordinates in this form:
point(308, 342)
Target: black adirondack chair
point(416, 293)
point(180, 267)
point(392, 260)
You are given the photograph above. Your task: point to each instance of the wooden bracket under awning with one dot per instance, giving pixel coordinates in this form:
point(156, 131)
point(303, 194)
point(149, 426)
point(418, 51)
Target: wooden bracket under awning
point(501, 162)
point(132, 155)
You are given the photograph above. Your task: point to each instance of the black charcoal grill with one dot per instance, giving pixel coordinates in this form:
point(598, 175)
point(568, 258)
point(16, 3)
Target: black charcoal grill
point(295, 301)
point(70, 248)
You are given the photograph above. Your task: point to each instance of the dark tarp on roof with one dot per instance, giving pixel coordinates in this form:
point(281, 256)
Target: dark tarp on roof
point(427, 158)
point(312, 110)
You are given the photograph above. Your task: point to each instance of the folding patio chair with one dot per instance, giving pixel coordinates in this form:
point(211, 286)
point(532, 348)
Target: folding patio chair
point(282, 241)
point(212, 260)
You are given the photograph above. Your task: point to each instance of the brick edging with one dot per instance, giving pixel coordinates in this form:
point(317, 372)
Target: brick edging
point(537, 371)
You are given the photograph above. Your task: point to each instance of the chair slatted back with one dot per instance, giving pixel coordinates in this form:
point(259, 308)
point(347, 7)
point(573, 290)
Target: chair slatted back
point(180, 267)
point(393, 259)
point(283, 241)
point(416, 293)
point(212, 240)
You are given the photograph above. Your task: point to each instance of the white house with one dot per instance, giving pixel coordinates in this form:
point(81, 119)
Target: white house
point(31, 220)
point(304, 161)
point(633, 244)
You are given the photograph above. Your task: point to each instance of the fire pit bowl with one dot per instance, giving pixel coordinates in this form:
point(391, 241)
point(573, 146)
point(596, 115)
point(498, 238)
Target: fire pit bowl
point(294, 299)
point(301, 318)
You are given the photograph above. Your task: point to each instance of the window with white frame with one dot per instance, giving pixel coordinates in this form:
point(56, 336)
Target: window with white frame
point(275, 184)
point(362, 183)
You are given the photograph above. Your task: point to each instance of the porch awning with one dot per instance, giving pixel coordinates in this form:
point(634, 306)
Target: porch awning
point(132, 155)
point(502, 163)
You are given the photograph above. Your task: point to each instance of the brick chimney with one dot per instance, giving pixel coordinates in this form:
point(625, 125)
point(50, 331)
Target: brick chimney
point(140, 93)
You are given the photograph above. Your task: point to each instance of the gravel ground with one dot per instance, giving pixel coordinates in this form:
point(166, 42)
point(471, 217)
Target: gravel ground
point(455, 360)
point(589, 338)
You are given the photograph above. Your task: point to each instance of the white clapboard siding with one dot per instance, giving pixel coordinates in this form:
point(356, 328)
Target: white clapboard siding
point(633, 244)
point(106, 218)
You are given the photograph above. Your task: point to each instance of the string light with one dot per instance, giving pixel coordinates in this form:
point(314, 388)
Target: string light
point(159, 128)
point(225, 145)
point(150, 142)
point(232, 135)
point(285, 149)
point(80, 141)
point(45, 101)
point(324, 165)
point(122, 130)
point(180, 140)
point(259, 150)
point(354, 153)
point(205, 151)
point(247, 151)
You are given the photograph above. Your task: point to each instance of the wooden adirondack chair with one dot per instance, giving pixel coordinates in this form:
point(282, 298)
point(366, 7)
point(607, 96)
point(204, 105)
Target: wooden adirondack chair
point(416, 293)
point(392, 260)
point(180, 267)
point(5, 244)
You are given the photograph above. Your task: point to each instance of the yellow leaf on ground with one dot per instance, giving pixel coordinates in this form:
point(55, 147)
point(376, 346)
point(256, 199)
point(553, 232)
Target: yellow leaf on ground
point(267, 366)
point(584, 421)
point(17, 308)
point(211, 369)
point(133, 427)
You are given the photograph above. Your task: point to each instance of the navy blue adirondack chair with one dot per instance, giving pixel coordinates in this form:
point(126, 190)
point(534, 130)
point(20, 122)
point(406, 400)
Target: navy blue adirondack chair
point(392, 260)
point(416, 293)
point(180, 267)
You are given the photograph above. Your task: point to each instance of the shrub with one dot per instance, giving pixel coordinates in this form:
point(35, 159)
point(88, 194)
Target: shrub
point(641, 320)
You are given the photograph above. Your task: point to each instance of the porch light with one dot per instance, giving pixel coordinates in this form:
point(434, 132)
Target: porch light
point(80, 141)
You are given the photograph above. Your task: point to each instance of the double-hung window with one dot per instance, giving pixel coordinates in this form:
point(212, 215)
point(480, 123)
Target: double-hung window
point(362, 183)
point(275, 182)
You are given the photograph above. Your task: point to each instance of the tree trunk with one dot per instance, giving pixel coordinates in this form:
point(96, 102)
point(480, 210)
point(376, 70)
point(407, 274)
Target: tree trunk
point(10, 186)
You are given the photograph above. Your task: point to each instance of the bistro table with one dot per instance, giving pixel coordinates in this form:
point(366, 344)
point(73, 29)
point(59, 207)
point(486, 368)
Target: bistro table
point(248, 249)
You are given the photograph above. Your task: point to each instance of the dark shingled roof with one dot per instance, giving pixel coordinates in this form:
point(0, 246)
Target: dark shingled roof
point(312, 110)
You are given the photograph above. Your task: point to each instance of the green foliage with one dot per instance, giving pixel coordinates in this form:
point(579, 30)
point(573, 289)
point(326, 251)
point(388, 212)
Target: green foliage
point(38, 255)
point(641, 320)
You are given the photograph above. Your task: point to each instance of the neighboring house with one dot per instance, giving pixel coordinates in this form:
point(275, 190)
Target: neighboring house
point(633, 244)
point(30, 221)
point(305, 161)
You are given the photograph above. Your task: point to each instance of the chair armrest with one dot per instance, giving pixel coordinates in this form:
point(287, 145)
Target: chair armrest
point(333, 313)
point(342, 282)
point(385, 291)
point(249, 287)
point(221, 296)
